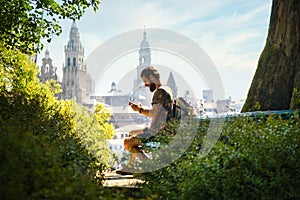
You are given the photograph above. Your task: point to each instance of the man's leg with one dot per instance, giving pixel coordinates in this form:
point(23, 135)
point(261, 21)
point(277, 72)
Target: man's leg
point(132, 145)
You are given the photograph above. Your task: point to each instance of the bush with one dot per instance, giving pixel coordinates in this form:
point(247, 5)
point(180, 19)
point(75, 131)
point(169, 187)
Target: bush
point(44, 150)
point(253, 159)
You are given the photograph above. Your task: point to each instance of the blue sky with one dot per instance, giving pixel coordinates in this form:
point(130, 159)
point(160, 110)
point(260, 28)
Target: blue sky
point(232, 32)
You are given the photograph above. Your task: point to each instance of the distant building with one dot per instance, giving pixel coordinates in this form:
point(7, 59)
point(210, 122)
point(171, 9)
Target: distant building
point(115, 97)
point(223, 105)
point(144, 61)
point(140, 92)
point(47, 71)
point(90, 86)
point(208, 96)
point(76, 83)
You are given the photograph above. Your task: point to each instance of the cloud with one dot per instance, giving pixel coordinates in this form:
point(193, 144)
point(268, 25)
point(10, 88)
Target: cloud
point(232, 37)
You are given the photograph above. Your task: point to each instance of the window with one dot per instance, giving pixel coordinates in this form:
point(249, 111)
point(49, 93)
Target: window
point(74, 61)
point(69, 61)
point(47, 67)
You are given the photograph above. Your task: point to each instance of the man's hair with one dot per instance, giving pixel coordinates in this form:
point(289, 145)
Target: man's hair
point(150, 71)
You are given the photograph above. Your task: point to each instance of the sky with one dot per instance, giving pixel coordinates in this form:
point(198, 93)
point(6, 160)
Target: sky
point(231, 32)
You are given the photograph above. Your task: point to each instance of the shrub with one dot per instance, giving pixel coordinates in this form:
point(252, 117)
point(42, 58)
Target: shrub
point(253, 159)
point(43, 152)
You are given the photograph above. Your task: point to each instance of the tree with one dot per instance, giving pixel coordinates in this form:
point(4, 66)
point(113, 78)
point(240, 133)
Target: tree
point(93, 129)
point(49, 149)
point(276, 83)
point(24, 23)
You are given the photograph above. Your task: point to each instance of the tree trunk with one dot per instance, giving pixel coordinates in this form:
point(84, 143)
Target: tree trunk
point(276, 83)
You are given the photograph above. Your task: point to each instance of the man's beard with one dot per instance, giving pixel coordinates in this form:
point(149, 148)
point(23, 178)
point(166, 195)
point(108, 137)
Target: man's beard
point(152, 87)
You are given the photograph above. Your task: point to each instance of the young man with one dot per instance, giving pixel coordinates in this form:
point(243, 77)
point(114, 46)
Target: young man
point(162, 102)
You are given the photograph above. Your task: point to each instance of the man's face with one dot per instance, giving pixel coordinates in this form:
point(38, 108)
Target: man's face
point(149, 83)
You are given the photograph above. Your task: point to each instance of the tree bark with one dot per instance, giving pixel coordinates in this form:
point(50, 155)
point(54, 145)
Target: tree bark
point(276, 83)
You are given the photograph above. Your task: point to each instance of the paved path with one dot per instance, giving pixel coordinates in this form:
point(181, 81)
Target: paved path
point(115, 180)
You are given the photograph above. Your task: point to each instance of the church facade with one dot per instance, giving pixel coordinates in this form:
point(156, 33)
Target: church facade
point(76, 82)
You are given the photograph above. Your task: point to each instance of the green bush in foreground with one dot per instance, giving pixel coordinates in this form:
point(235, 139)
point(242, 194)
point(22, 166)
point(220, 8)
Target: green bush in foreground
point(49, 149)
point(253, 159)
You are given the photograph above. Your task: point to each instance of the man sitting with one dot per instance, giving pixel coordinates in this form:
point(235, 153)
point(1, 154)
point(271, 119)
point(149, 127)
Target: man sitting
point(162, 102)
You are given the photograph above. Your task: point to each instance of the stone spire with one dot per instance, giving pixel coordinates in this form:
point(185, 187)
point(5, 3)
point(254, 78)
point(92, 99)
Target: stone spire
point(74, 43)
point(47, 53)
point(74, 70)
point(144, 52)
point(172, 84)
point(144, 60)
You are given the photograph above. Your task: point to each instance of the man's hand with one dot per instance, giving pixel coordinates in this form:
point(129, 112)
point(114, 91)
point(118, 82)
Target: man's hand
point(134, 106)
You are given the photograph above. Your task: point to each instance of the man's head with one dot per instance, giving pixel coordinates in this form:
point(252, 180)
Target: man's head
point(151, 78)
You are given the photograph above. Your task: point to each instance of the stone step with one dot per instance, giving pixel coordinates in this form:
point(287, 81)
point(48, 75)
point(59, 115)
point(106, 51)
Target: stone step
point(111, 179)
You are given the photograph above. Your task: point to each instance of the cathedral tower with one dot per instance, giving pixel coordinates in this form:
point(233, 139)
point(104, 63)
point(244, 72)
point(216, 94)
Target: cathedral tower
point(144, 60)
point(74, 69)
point(142, 94)
point(48, 71)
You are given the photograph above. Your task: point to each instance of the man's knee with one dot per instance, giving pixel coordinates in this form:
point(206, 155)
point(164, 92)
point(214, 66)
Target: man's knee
point(127, 143)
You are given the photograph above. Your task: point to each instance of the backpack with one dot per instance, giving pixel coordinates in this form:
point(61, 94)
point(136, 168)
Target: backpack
point(181, 109)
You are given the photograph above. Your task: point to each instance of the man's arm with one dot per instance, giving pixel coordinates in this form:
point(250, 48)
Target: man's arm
point(139, 108)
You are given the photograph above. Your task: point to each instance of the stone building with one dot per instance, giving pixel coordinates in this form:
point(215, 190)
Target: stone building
point(144, 61)
point(47, 70)
point(76, 83)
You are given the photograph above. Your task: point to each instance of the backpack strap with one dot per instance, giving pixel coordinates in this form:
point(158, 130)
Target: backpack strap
point(175, 112)
point(174, 109)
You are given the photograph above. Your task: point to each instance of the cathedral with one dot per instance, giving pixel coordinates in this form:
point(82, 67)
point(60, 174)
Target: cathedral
point(76, 82)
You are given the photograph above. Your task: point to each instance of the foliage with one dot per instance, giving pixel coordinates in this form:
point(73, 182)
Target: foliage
point(24, 23)
point(53, 149)
point(44, 150)
point(94, 130)
point(253, 159)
